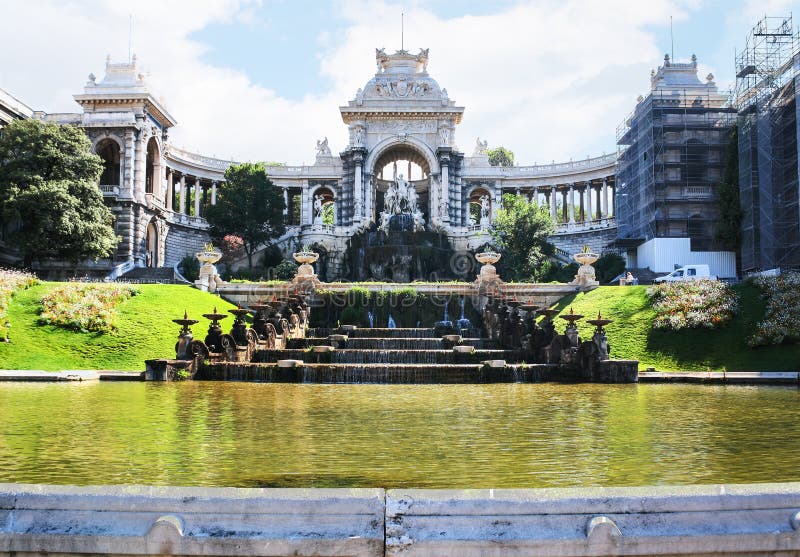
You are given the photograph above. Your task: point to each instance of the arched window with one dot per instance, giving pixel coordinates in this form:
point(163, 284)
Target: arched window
point(324, 207)
point(476, 206)
point(153, 166)
point(108, 150)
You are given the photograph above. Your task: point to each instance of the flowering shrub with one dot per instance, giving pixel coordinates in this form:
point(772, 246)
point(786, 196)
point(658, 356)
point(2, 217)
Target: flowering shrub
point(84, 306)
point(10, 281)
point(782, 321)
point(690, 305)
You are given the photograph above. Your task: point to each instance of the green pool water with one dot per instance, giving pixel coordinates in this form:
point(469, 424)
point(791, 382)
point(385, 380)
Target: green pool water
point(276, 435)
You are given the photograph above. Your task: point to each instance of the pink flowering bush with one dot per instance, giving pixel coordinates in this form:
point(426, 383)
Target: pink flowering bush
point(781, 323)
point(11, 281)
point(693, 304)
point(84, 306)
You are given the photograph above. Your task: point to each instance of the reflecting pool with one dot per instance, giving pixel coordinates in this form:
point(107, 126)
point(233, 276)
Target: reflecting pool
point(438, 436)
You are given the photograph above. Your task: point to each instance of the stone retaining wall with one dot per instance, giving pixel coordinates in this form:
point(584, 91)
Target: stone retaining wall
point(758, 519)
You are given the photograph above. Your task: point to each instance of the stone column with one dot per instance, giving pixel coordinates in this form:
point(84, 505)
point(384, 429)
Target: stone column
point(535, 196)
point(128, 186)
point(182, 198)
point(571, 208)
point(612, 203)
point(358, 189)
point(140, 167)
point(197, 194)
point(590, 216)
point(214, 192)
point(553, 204)
point(604, 199)
point(170, 191)
point(285, 201)
point(438, 196)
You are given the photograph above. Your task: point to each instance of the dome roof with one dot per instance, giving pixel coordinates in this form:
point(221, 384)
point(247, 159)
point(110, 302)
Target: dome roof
point(401, 77)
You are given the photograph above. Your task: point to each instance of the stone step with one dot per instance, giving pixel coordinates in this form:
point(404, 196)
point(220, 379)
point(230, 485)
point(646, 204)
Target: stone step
point(374, 373)
point(392, 333)
point(366, 357)
point(401, 343)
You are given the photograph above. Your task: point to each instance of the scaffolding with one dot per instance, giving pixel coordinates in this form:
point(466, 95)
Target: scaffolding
point(671, 159)
point(766, 89)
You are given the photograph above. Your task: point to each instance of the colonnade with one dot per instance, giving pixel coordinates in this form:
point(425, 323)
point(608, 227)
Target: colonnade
point(580, 202)
point(193, 193)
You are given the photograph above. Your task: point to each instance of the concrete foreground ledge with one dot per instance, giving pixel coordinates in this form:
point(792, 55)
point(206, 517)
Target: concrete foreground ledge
point(140, 520)
point(751, 519)
point(719, 377)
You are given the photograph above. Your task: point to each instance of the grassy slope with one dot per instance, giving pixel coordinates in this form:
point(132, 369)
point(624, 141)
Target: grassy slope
point(631, 337)
point(145, 330)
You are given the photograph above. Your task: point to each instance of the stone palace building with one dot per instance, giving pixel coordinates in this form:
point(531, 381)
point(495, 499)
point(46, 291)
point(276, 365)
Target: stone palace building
point(402, 125)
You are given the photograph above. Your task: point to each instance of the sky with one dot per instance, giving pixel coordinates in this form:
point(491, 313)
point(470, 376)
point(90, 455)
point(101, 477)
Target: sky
point(263, 80)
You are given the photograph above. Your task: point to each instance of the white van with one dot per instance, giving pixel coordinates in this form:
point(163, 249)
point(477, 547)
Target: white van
point(687, 272)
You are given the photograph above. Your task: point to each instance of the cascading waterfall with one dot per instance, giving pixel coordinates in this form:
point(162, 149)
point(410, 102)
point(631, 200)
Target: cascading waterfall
point(375, 355)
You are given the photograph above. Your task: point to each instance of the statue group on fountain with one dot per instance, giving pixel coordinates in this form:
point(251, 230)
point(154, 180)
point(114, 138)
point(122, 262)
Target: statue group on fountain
point(401, 199)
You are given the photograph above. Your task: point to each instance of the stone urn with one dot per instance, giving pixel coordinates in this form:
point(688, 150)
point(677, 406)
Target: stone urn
point(586, 276)
point(305, 273)
point(209, 277)
point(488, 272)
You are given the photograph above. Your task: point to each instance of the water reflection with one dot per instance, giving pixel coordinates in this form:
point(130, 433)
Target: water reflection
point(274, 435)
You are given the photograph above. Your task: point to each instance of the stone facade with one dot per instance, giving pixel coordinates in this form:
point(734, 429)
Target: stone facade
point(400, 122)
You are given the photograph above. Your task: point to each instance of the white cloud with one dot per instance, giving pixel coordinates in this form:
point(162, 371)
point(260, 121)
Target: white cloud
point(548, 79)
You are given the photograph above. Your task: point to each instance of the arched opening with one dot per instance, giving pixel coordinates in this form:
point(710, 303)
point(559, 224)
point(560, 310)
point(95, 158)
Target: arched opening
point(480, 207)
point(109, 151)
point(324, 207)
point(151, 246)
point(406, 165)
point(153, 166)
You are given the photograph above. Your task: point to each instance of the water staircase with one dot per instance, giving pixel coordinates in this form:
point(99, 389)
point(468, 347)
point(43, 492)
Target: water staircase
point(378, 355)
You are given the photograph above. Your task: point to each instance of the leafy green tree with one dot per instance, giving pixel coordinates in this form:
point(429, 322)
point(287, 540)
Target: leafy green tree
point(328, 214)
point(729, 227)
point(520, 231)
point(609, 266)
point(248, 206)
point(500, 156)
point(48, 185)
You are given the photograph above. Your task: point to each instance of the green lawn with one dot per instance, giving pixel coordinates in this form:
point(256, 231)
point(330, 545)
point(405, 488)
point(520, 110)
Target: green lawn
point(631, 336)
point(144, 330)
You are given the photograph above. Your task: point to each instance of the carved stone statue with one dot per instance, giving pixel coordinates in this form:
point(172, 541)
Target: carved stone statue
point(322, 148)
point(400, 199)
point(485, 210)
point(318, 209)
point(444, 135)
point(481, 147)
point(358, 136)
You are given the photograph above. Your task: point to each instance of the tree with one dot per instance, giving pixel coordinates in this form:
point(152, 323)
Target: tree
point(500, 156)
point(521, 230)
point(248, 206)
point(729, 227)
point(48, 184)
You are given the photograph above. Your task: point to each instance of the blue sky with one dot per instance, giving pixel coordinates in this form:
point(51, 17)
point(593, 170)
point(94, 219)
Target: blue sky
point(298, 29)
point(263, 80)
